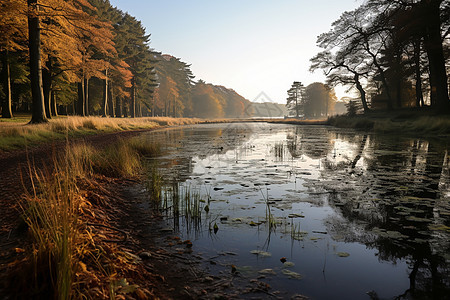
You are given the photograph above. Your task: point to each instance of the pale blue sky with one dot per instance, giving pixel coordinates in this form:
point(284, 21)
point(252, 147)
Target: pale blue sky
point(249, 45)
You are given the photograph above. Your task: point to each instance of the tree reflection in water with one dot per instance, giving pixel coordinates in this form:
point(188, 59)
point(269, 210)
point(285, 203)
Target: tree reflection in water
point(395, 200)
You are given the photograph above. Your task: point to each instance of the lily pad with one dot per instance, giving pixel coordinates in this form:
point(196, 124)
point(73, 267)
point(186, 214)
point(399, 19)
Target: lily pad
point(343, 254)
point(261, 253)
point(417, 219)
point(292, 274)
point(267, 272)
point(440, 227)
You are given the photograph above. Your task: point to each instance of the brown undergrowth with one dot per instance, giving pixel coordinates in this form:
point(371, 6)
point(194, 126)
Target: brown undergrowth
point(75, 252)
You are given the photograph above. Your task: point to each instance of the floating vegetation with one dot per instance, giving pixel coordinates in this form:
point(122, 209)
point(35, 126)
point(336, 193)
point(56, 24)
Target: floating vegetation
point(291, 274)
point(417, 219)
point(343, 254)
point(267, 272)
point(288, 264)
point(439, 227)
point(261, 253)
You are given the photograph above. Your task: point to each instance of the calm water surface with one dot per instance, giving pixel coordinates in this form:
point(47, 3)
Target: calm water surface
point(355, 215)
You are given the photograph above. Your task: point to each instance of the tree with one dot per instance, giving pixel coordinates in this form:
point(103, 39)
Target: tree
point(343, 70)
point(139, 57)
point(206, 104)
point(352, 108)
point(34, 46)
point(296, 98)
point(379, 42)
point(12, 25)
point(168, 94)
point(352, 50)
point(319, 100)
point(180, 73)
point(426, 18)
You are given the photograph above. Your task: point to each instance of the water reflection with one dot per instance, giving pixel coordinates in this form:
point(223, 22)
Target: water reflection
point(328, 190)
point(397, 196)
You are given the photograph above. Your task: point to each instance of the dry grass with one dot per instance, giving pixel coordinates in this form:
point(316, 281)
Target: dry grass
point(15, 135)
point(414, 124)
point(69, 256)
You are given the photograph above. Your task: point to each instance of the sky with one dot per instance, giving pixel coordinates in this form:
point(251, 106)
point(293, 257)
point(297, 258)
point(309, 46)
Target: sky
point(256, 47)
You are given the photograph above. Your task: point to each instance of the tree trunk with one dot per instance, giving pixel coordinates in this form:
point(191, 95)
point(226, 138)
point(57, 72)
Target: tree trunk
point(105, 94)
point(6, 82)
point(384, 81)
point(362, 93)
point(433, 46)
point(419, 93)
point(153, 105)
point(47, 87)
point(34, 46)
point(54, 104)
point(398, 76)
point(124, 108)
point(86, 97)
point(112, 111)
point(118, 107)
point(80, 106)
point(133, 98)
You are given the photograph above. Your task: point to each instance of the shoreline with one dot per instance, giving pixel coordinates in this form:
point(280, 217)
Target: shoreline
point(406, 122)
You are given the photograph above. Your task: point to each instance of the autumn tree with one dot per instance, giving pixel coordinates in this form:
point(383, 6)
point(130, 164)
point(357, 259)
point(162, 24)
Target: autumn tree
point(168, 94)
point(205, 103)
point(12, 29)
point(140, 59)
point(34, 46)
point(180, 73)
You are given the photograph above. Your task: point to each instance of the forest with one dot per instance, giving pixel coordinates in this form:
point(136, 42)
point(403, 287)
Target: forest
point(86, 57)
point(395, 54)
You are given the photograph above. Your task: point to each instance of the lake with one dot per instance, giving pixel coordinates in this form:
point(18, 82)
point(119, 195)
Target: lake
point(310, 210)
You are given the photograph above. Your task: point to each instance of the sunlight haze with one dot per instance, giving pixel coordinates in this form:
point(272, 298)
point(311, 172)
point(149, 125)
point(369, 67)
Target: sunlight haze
point(249, 46)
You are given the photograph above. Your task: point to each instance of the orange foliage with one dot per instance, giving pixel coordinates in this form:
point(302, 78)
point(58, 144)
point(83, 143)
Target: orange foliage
point(13, 24)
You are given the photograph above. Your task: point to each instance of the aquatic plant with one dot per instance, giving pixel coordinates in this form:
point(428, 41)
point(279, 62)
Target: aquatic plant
point(184, 202)
point(270, 219)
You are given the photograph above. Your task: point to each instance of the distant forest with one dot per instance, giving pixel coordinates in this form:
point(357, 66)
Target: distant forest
point(395, 54)
point(86, 57)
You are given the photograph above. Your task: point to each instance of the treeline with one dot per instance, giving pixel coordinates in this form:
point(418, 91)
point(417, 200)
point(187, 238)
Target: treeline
point(394, 53)
point(87, 57)
point(177, 94)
